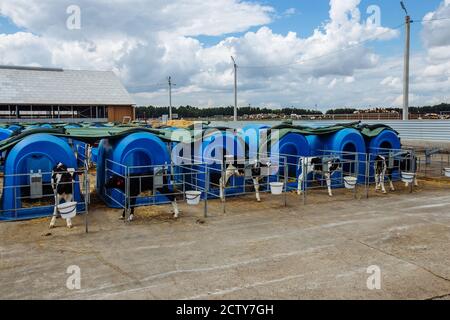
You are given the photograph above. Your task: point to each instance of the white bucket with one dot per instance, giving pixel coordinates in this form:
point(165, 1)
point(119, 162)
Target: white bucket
point(67, 210)
point(350, 182)
point(408, 177)
point(276, 188)
point(193, 197)
point(447, 172)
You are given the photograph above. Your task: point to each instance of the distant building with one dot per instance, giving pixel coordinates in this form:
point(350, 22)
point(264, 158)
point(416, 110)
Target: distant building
point(50, 95)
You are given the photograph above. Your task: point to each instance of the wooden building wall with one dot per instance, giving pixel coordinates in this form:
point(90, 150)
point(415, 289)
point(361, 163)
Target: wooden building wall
point(117, 113)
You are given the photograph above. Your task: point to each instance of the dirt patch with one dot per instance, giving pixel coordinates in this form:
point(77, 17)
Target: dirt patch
point(153, 213)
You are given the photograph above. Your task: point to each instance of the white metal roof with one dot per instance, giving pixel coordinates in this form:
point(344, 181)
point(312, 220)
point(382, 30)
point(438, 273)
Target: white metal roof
point(23, 85)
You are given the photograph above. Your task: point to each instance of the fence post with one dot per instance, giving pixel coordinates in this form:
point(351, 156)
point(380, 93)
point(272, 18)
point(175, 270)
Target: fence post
point(222, 172)
point(15, 199)
point(357, 176)
point(413, 169)
point(304, 181)
point(127, 194)
point(367, 177)
point(286, 180)
point(183, 174)
point(86, 196)
point(205, 209)
point(448, 159)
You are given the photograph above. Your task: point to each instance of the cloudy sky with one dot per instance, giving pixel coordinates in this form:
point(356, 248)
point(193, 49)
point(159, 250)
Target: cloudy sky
point(298, 53)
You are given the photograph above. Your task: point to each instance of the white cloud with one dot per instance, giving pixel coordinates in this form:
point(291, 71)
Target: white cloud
point(145, 41)
point(391, 81)
point(436, 33)
point(290, 12)
point(139, 17)
point(332, 83)
point(24, 48)
point(349, 79)
point(436, 37)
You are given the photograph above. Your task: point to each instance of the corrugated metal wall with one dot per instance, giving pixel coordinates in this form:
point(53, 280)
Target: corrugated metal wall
point(428, 130)
point(425, 130)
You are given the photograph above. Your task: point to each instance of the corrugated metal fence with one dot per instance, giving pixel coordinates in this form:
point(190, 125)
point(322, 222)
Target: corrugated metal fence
point(425, 130)
point(429, 130)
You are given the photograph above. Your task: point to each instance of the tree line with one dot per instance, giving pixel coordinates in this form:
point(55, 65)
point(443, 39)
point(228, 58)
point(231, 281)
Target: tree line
point(195, 112)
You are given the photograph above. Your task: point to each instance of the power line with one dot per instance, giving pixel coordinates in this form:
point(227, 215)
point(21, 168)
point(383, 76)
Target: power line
point(326, 54)
point(431, 20)
point(314, 58)
point(296, 63)
point(340, 50)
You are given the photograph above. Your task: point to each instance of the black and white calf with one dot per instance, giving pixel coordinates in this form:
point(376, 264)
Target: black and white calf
point(63, 180)
point(139, 184)
point(258, 170)
point(325, 167)
point(385, 165)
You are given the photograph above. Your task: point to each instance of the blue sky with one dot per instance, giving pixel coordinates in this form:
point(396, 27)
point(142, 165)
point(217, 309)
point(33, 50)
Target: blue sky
point(145, 42)
point(310, 14)
point(7, 26)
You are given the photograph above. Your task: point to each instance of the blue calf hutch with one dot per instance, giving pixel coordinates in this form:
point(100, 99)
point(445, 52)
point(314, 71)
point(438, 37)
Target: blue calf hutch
point(291, 147)
point(352, 148)
point(347, 144)
point(94, 155)
point(212, 154)
point(208, 156)
point(252, 135)
point(15, 128)
point(35, 153)
point(144, 152)
point(386, 142)
point(5, 133)
point(117, 156)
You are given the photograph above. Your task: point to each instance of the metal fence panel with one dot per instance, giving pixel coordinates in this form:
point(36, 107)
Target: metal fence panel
point(425, 130)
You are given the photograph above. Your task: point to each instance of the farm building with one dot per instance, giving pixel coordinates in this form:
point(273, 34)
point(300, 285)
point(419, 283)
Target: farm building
point(49, 94)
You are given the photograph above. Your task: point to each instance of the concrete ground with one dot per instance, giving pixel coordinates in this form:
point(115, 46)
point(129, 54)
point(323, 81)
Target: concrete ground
point(254, 251)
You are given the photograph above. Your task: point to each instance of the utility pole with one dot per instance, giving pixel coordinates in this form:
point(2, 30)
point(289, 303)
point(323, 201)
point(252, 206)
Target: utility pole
point(235, 117)
point(170, 96)
point(406, 64)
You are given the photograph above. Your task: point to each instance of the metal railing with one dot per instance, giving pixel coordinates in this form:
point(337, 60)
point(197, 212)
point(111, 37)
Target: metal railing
point(396, 162)
point(152, 184)
point(243, 182)
point(83, 154)
point(29, 203)
point(328, 170)
point(434, 164)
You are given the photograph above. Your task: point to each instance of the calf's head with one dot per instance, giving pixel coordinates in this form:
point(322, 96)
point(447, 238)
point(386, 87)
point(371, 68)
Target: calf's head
point(115, 181)
point(60, 168)
point(335, 165)
point(61, 172)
